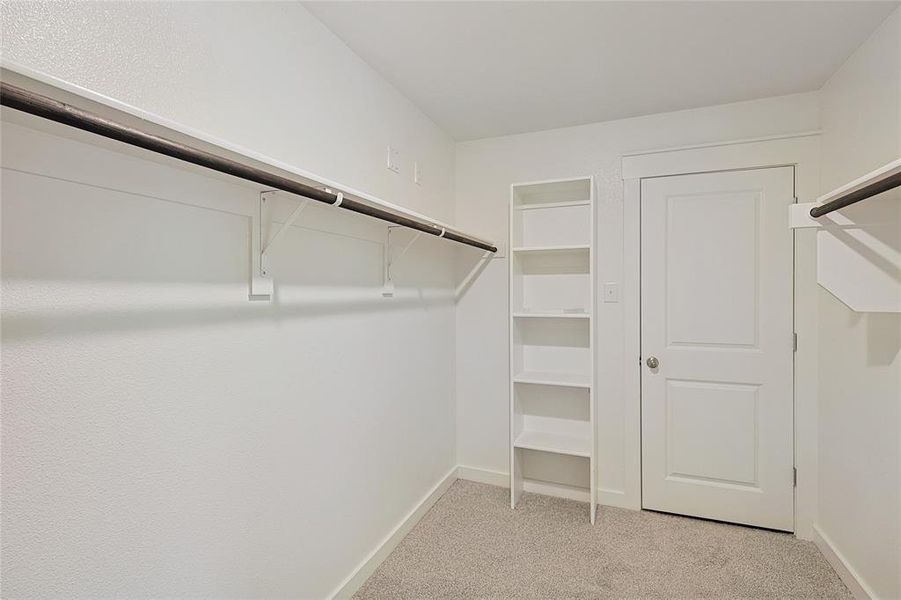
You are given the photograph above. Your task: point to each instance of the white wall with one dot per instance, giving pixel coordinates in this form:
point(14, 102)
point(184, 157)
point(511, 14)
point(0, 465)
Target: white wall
point(860, 366)
point(162, 436)
point(265, 75)
point(485, 170)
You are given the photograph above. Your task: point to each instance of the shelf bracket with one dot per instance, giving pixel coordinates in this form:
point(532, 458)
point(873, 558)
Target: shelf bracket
point(799, 216)
point(388, 261)
point(264, 253)
point(473, 274)
point(260, 282)
point(261, 286)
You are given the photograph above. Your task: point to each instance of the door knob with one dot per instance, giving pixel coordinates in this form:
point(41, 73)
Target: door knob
point(653, 363)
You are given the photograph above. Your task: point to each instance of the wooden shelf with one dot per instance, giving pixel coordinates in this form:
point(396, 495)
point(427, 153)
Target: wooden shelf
point(552, 249)
point(575, 380)
point(554, 442)
point(545, 205)
point(551, 315)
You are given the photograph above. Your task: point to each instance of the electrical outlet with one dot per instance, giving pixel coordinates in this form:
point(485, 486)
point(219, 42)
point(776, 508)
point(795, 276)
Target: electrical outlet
point(417, 173)
point(393, 159)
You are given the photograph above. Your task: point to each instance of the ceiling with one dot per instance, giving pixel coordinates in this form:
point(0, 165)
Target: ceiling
point(482, 69)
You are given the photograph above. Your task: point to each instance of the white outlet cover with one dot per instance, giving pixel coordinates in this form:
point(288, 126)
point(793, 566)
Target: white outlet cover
point(417, 173)
point(611, 292)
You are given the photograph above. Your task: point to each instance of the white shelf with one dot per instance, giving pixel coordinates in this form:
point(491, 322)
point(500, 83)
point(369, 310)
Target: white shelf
point(848, 270)
point(551, 315)
point(552, 336)
point(551, 249)
point(554, 442)
point(881, 174)
point(575, 380)
point(106, 107)
point(545, 205)
point(552, 191)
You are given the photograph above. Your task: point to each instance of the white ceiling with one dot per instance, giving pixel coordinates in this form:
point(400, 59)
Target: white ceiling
point(483, 69)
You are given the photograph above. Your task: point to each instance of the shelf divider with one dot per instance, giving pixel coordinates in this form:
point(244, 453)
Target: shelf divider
point(552, 249)
point(558, 379)
point(557, 443)
point(546, 205)
point(550, 315)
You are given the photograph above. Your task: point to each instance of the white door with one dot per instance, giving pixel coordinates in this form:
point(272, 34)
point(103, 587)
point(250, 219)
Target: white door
point(716, 316)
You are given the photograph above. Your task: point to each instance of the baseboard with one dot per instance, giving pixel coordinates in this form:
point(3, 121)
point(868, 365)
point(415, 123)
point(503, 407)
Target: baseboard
point(616, 498)
point(606, 497)
point(483, 476)
point(558, 490)
point(849, 576)
point(536, 487)
point(358, 577)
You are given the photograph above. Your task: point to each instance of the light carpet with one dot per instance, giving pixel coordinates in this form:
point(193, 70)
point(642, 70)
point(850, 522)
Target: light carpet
point(472, 545)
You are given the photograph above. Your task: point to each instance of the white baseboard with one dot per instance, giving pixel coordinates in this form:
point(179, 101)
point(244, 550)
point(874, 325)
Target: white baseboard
point(484, 476)
point(355, 580)
point(606, 497)
point(536, 487)
point(558, 490)
point(846, 572)
point(617, 498)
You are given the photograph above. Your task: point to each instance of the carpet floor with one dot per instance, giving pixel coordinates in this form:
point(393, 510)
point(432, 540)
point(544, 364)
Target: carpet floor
point(471, 545)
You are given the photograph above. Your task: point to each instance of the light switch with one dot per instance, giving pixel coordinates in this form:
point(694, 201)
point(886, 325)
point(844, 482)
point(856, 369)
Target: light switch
point(611, 292)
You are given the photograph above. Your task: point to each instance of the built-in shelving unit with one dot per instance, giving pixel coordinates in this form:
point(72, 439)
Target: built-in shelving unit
point(552, 337)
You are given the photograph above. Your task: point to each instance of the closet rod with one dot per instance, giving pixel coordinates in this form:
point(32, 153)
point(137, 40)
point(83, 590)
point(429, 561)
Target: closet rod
point(869, 185)
point(42, 106)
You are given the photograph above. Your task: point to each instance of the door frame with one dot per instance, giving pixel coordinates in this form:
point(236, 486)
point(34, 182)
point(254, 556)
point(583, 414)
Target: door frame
point(800, 151)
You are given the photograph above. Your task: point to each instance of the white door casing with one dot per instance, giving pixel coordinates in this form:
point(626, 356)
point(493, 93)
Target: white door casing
point(716, 312)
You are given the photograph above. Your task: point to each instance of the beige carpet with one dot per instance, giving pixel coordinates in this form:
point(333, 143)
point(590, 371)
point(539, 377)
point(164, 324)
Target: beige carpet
point(471, 545)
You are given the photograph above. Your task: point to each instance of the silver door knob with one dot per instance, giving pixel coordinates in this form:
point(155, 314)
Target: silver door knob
point(653, 363)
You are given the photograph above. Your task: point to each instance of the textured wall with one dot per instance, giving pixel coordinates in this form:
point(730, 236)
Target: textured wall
point(162, 436)
point(264, 75)
point(860, 353)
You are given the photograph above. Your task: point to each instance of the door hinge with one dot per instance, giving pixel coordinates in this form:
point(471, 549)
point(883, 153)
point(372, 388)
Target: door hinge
point(794, 476)
point(794, 342)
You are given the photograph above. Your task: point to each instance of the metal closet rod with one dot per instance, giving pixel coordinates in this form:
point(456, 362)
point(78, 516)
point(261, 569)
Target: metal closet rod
point(42, 106)
point(877, 187)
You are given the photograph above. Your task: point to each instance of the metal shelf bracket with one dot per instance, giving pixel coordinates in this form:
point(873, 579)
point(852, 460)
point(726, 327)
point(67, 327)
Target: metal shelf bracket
point(473, 273)
point(261, 286)
point(388, 261)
